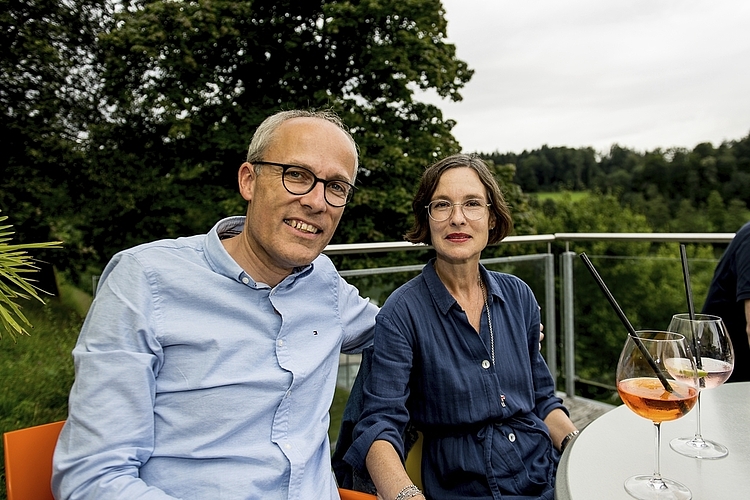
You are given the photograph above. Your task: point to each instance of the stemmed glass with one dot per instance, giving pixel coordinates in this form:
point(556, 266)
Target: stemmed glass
point(652, 390)
point(709, 342)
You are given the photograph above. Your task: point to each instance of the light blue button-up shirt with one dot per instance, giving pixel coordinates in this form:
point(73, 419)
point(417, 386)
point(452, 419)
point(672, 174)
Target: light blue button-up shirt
point(195, 382)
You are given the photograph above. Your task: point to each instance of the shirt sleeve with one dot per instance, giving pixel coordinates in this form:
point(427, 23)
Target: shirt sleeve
point(109, 432)
point(742, 262)
point(358, 318)
point(386, 391)
point(545, 399)
point(544, 385)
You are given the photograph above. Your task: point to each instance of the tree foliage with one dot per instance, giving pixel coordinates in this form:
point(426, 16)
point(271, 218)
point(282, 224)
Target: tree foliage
point(645, 278)
point(678, 190)
point(46, 97)
point(125, 121)
point(198, 77)
point(147, 107)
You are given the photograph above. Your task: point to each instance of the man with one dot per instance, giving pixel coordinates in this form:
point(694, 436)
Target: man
point(206, 365)
point(729, 297)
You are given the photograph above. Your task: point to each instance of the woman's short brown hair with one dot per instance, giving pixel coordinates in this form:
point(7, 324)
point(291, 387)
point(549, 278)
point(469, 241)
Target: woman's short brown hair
point(420, 231)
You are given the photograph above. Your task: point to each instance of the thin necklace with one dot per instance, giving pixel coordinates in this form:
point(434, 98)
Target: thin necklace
point(489, 321)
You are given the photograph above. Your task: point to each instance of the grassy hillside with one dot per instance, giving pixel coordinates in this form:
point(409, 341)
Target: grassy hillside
point(560, 195)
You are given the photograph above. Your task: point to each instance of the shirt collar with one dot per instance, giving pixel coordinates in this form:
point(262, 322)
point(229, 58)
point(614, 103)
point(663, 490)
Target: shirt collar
point(216, 255)
point(442, 296)
point(223, 263)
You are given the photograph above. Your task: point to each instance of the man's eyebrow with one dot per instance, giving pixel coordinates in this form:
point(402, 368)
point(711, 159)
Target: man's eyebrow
point(336, 177)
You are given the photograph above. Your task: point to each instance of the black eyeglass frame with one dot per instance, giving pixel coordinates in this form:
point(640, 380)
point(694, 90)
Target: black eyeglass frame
point(285, 166)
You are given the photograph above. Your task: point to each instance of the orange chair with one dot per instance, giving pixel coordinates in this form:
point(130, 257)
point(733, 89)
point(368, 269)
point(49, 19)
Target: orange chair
point(347, 495)
point(28, 464)
point(28, 461)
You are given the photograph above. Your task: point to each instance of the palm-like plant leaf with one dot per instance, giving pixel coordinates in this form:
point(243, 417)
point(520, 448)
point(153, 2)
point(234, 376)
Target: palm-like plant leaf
point(15, 262)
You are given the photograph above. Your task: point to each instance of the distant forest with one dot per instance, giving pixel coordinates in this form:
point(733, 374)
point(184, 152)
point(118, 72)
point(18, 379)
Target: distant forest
point(706, 189)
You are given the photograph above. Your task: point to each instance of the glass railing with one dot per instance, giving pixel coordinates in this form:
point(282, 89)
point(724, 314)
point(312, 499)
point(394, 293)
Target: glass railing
point(583, 335)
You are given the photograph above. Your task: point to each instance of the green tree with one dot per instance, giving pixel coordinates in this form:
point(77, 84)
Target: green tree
point(736, 216)
point(188, 82)
point(126, 121)
point(716, 211)
point(646, 279)
point(690, 219)
point(47, 84)
point(544, 171)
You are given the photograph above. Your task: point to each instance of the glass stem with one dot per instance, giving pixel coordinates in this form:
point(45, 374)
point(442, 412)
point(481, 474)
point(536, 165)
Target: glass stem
point(698, 436)
point(657, 442)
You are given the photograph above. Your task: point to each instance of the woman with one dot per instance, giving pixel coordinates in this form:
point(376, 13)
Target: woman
point(457, 354)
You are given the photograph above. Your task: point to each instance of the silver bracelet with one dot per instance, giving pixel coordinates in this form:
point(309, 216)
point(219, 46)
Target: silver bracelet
point(567, 439)
point(408, 492)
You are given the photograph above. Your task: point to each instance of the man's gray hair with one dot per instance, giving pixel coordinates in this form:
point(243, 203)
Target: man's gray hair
point(264, 133)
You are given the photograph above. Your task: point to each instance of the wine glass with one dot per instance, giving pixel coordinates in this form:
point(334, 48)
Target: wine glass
point(709, 342)
point(650, 389)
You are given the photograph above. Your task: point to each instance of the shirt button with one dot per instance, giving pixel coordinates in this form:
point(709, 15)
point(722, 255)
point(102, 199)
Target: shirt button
point(280, 343)
point(245, 280)
point(288, 446)
point(485, 364)
point(512, 437)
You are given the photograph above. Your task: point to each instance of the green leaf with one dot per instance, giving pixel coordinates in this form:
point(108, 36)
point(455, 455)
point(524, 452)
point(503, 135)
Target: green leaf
point(14, 262)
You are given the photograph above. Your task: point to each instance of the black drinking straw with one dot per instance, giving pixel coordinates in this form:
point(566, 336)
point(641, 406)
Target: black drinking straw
point(686, 275)
point(624, 319)
point(691, 309)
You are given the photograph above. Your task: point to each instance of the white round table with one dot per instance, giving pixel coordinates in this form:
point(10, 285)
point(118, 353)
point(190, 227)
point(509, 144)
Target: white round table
point(620, 444)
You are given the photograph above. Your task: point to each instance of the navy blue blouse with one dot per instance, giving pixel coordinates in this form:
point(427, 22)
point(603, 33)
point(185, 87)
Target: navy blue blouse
point(484, 435)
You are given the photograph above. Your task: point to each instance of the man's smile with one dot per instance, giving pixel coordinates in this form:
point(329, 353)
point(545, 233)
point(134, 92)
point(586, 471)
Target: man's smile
point(302, 226)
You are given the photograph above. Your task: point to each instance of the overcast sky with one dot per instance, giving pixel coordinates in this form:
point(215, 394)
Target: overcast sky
point(644, 74)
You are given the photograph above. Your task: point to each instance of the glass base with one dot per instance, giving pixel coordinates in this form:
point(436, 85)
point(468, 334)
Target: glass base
point(651, 488)
point(697, 447)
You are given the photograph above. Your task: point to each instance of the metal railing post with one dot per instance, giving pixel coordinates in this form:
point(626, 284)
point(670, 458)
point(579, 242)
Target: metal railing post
point(568, 323)
point(550, 323)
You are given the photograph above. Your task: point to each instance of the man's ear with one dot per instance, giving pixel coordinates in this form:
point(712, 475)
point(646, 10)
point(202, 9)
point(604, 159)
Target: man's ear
point(246, 177)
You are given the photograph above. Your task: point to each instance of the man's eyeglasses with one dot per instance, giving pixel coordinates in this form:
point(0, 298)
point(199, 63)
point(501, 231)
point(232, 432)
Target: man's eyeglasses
point(300, 180)
point(441, 210)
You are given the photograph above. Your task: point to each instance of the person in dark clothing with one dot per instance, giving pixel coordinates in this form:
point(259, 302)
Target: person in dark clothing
point(456, 354)
point(729, 298)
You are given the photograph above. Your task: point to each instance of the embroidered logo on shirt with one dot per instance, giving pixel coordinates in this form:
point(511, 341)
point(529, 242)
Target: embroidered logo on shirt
point(315, 332)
